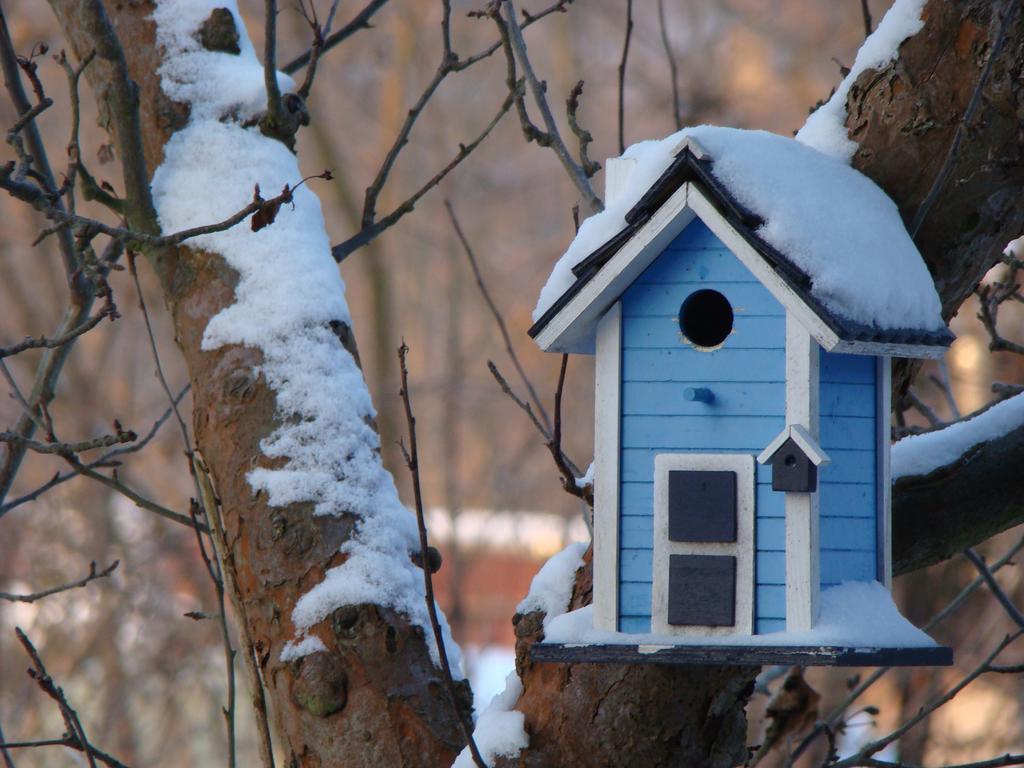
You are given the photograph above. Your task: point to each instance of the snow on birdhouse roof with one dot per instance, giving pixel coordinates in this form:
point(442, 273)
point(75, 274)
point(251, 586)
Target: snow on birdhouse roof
point(828, 233)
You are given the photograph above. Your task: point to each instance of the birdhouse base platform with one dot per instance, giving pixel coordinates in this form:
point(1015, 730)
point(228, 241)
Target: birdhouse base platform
point(721, 655)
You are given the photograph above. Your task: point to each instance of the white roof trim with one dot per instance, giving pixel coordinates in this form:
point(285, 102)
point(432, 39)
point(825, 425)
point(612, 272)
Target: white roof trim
point(803, 439)
point(693, 145)
point(572, 329)
point(767, 276)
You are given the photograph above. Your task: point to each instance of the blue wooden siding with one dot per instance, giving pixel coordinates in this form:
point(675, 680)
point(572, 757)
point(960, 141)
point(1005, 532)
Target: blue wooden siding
point(747, 375)
point(848, 500)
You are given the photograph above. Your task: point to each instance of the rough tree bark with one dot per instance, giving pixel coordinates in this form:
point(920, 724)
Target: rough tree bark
point(374, 698)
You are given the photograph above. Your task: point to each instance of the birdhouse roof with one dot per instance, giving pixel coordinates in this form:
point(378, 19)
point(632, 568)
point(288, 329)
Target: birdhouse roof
point(802, 439)
point(822, 237)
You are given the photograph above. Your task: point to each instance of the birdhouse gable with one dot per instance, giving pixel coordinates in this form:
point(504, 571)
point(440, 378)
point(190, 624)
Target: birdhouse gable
point(824, 240)
point(802, 440)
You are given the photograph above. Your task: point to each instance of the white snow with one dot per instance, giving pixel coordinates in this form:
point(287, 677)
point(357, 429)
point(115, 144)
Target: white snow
point(1015, 248)
point(499, 731)
point(587, 479)
point(825, 129)
point(828, 219)
point(289, 290)
point(855, 614)
point(551, 589)
point(296, 650)
point(921, 454)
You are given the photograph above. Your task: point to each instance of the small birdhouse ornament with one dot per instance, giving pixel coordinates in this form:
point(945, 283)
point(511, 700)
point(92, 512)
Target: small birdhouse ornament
point(743, 295)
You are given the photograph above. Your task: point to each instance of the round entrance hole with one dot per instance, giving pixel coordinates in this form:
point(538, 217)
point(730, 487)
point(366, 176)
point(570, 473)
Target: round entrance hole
point(705, 318)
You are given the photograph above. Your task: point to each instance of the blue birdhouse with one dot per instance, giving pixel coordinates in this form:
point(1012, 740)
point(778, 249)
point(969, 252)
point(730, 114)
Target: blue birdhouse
point(743, 295)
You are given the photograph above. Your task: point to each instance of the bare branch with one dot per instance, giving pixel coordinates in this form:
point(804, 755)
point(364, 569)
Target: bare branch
point(370, 232)
point(672, 68)
point(105, 460)
point(877, 746)
point(122, 98)
point(226, 561)
point(570, 478)
point(91, 576)
point(933, 420)
point(537, 89)
point(40, 161)
point(1012, 610)
point(360, 21)
point(68, 449)
point(496, 313)
point(140, 500)
point(412, 461)
point(865, 13)
point(52, 342)
point(622, 76)
point(572, 106)
point(838, 712)
point(74, 727)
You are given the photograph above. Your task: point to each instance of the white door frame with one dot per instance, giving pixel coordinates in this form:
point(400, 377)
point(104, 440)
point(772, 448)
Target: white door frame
point(742, 549)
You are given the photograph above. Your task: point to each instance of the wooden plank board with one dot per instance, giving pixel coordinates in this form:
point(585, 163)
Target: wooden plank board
point(665, 299)
point(678, 365)
point(689, 433)
point(718, 655)
point(661, 398)
point(837, 399)
point(663, 332)
point(637, 465)
point(847, 369)
point(840, 566)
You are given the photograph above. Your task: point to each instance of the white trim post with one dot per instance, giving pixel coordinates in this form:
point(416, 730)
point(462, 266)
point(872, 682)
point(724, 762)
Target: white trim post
point(884, 388)
point(803, 551)
point(607, 388)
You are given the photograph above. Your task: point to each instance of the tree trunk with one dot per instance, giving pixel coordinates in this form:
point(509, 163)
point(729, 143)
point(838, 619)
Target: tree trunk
point(374, 697)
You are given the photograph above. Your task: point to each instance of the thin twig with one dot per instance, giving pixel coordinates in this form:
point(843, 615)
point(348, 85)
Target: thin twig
point(275, 109)
point(933, 419)
point(498, 319)
point(1012, 610)
point(537, 89)
point(865, 13)
point(36, 147)
point(8, 760)
point(672, 67)
point(226, 561)
point(64, 449)
point(140, 500)
point(91, 576)
point(525, 407)
point(369, 232)
point(216, 573)
point(52, 342)
point(878, 745)
point(622, 76)
point(103, 460)
point(412, 461)
point(1009, 12)
point(583, 136)
point(837, 712)
point(360, 21)
point(45, 682)
point(156, 356)
point(569, 472)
